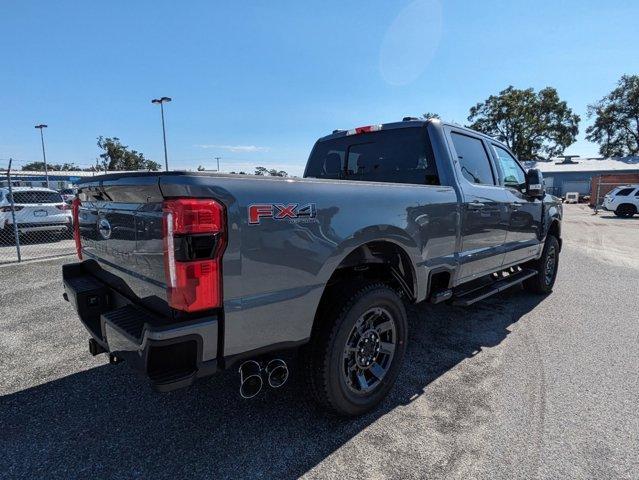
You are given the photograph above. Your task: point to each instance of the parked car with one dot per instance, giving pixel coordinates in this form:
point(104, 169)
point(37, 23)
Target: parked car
point(624, 201)
point(183, 274)
point(68, 194)
point(35, 209)
point(572, 197)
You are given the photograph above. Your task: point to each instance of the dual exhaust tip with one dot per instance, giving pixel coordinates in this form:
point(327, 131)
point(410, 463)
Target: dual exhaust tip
point(252, 376)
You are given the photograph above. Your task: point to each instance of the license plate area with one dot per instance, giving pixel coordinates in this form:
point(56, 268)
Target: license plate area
point(40, 213)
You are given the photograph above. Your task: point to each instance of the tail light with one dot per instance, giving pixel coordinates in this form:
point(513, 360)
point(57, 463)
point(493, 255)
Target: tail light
point(75, 215)
point(62, 207)
point(194, 240)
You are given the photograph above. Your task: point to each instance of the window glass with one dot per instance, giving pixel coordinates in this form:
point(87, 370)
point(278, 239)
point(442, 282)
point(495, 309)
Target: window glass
point(37, 197)
point(473, 159)
point(327, 159)
point(624, 192)
point(511, 173)
point(402, 155)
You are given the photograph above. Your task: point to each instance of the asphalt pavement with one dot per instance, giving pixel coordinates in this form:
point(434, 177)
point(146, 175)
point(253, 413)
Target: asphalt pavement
point(517, 386)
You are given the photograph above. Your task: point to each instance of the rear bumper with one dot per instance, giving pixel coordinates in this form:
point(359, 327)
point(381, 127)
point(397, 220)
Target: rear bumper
point(171, 354)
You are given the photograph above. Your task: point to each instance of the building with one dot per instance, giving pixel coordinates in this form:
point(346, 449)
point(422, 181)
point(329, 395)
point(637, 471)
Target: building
point(574, 174)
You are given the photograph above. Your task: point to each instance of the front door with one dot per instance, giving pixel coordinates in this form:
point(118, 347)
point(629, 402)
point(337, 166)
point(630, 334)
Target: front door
point(522, 240)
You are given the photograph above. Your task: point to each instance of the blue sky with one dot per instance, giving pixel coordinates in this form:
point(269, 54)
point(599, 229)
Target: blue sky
point(257, 82)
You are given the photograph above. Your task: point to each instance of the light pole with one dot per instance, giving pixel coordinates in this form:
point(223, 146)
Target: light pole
point(44, 155)
point(218, 163)
point(162, 101)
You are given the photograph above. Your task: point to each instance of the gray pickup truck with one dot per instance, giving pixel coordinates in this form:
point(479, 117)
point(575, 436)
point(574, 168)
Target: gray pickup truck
point(185, 274)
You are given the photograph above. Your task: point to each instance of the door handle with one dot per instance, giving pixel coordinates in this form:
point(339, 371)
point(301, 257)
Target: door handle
point(516, 205)
point(475, 205)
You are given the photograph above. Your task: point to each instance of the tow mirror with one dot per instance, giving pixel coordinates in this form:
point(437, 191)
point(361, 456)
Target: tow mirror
point(535, 183)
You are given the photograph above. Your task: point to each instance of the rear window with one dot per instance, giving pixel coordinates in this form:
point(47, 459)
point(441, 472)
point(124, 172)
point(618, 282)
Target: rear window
point(37, 197)
point(402, 155)
point(624, 192)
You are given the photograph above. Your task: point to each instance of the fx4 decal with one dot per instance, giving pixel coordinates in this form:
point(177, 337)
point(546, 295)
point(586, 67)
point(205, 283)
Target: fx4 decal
point(278, 211)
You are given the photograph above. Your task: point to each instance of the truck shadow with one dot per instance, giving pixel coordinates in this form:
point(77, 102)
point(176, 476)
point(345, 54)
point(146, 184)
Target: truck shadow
point(103, 423)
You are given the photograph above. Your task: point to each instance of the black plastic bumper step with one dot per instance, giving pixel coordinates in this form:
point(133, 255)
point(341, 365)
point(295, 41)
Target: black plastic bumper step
point(128, 320)
point(464, 298)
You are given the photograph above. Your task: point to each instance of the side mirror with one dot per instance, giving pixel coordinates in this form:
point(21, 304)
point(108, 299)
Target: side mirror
point(535, 183)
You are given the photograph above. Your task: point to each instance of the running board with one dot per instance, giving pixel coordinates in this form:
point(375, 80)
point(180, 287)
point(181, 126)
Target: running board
point(467, 297)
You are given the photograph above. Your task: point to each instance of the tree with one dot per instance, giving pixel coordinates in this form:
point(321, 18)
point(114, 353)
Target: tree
point(533, 125)
point(200, 168)
point(429, 115)
point(272, 172)
point(118, 157)
point(616, 127)
point(39, 166)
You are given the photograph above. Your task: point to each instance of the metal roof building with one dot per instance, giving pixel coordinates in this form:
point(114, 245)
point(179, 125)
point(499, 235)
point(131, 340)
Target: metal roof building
point(574, 174)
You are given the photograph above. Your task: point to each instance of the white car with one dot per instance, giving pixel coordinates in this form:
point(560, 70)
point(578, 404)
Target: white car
point(36, 210)
point(572, 197)
point(624, 201)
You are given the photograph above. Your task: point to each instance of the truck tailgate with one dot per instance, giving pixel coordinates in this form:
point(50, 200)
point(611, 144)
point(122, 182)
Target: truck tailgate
point(120, 224)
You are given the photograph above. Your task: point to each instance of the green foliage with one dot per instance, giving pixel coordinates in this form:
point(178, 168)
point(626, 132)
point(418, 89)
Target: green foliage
point(428, 115)
point(616, 127)
point(118, 157)
point(272, 172)
point(55, 167)
point(533, 125)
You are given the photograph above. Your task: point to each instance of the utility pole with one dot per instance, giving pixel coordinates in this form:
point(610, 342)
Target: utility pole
point(44, 155)
point(162, 101)
point(218, 163)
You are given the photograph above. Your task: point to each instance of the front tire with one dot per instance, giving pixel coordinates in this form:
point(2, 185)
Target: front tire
point(357, 350)
point(625, 210)
point(546, 268)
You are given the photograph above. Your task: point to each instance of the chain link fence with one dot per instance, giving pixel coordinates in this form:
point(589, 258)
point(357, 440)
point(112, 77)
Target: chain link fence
point(35, 222)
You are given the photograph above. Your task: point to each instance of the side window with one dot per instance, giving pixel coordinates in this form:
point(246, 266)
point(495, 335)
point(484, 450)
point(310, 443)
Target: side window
point(512, 175)
point(637, 194)
point(624, 192)
point(473, 159)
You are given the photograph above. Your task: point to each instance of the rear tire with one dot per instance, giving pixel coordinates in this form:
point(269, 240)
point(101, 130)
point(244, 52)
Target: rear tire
point(546, 267)
point(356, 351)
point(625, 210)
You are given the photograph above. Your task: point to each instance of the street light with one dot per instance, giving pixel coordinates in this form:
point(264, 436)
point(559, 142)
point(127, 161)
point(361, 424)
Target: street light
point(162, 101)
point(44, 155)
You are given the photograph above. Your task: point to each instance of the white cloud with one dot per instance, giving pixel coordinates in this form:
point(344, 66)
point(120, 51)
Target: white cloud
point(238, 148)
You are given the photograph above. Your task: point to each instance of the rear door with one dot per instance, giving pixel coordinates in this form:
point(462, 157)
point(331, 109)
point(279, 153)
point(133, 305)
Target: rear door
point(485, 214)
point(522, 240)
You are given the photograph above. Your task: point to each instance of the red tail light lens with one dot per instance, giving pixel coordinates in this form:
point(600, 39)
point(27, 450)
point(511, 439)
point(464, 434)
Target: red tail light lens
point(63, 207)
point(75, 215)
point(193, 284)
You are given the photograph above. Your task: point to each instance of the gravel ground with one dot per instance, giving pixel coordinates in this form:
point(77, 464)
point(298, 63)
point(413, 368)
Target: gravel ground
point(518, 386)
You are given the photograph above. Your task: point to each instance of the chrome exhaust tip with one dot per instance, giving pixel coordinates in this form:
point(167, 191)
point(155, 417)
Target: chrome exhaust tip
point(276, 373)
point(250, 379)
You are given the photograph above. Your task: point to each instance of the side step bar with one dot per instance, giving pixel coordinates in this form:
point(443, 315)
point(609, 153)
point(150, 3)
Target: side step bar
point(465, 297)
